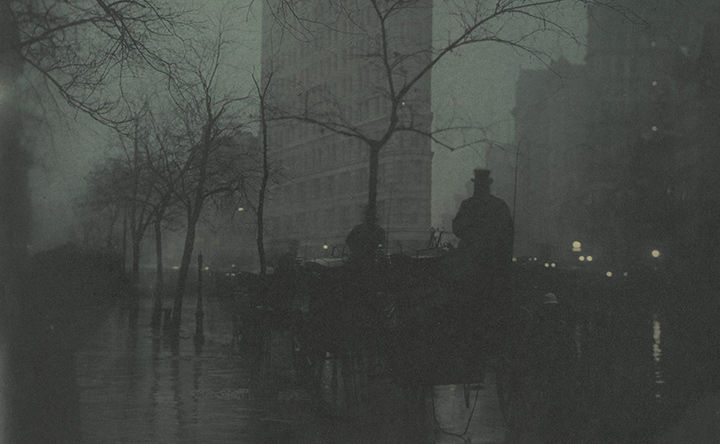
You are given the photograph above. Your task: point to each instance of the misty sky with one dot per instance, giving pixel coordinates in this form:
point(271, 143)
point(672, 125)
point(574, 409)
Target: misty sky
point(476, 84)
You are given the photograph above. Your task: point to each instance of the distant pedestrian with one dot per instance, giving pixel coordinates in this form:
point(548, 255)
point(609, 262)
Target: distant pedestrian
point(365, 241)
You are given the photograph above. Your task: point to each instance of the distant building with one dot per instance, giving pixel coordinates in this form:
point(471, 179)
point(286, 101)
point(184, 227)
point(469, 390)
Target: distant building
point(594, 139)
point(321, 190)
point(551, 120)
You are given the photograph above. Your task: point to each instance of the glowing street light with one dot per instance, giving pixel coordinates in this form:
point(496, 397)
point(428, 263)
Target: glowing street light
point(553, 265)
point(547, 265)
point(589, 258)
point(655, 253)
point(241, 209)
point(581, 258)
point(609, 274)
point(325, 246)
point(576, 246)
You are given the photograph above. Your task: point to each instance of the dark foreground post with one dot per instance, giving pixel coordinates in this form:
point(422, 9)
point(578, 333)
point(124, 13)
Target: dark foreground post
point(199, 333)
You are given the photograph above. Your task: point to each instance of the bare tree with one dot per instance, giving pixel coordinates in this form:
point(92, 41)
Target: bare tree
point(394, 66)
point(150, 198)
point(258, 206)
point(161, 162)
point(210, 158)
point(80, 48)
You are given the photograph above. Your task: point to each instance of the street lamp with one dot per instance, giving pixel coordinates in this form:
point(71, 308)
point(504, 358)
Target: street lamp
point(655, 253)
point(609, 274)
point(589, 258)
point(241, 209)
point(576, 246)
point(581, 258)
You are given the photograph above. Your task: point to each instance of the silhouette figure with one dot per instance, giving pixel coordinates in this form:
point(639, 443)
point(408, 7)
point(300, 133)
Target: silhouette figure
point(484, 226)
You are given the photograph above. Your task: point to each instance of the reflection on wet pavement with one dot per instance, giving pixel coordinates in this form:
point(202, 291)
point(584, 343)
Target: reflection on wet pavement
point(134, 388)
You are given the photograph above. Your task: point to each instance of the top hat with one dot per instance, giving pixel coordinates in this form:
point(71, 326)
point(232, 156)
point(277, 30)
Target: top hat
point(482, 176)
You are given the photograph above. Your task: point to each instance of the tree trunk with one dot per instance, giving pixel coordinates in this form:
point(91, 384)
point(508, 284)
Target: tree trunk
point(123, 247)
point(194, 210)
point(374, 163)
point(135, 279)
point(183, 274)
point(159, 285)
point(261, 195)
point(136, 241)
point(199, 313)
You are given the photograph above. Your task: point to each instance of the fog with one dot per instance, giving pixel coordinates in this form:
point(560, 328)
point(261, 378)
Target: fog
point(67, 143)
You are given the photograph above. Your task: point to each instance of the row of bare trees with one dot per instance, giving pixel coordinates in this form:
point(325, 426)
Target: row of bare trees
point(184, 148)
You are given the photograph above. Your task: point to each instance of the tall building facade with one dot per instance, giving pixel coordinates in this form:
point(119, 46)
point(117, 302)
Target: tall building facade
point(323, 63)
point(550, 115)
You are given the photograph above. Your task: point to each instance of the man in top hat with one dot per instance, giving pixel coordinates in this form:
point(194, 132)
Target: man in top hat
point(482, 264)
point(484, 226)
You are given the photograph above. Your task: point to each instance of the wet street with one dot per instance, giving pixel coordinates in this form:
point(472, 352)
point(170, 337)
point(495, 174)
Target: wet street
point(642, 374)
point(134, 388)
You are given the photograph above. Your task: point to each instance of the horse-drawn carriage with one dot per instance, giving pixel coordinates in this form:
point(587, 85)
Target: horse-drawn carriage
point(418, 320)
